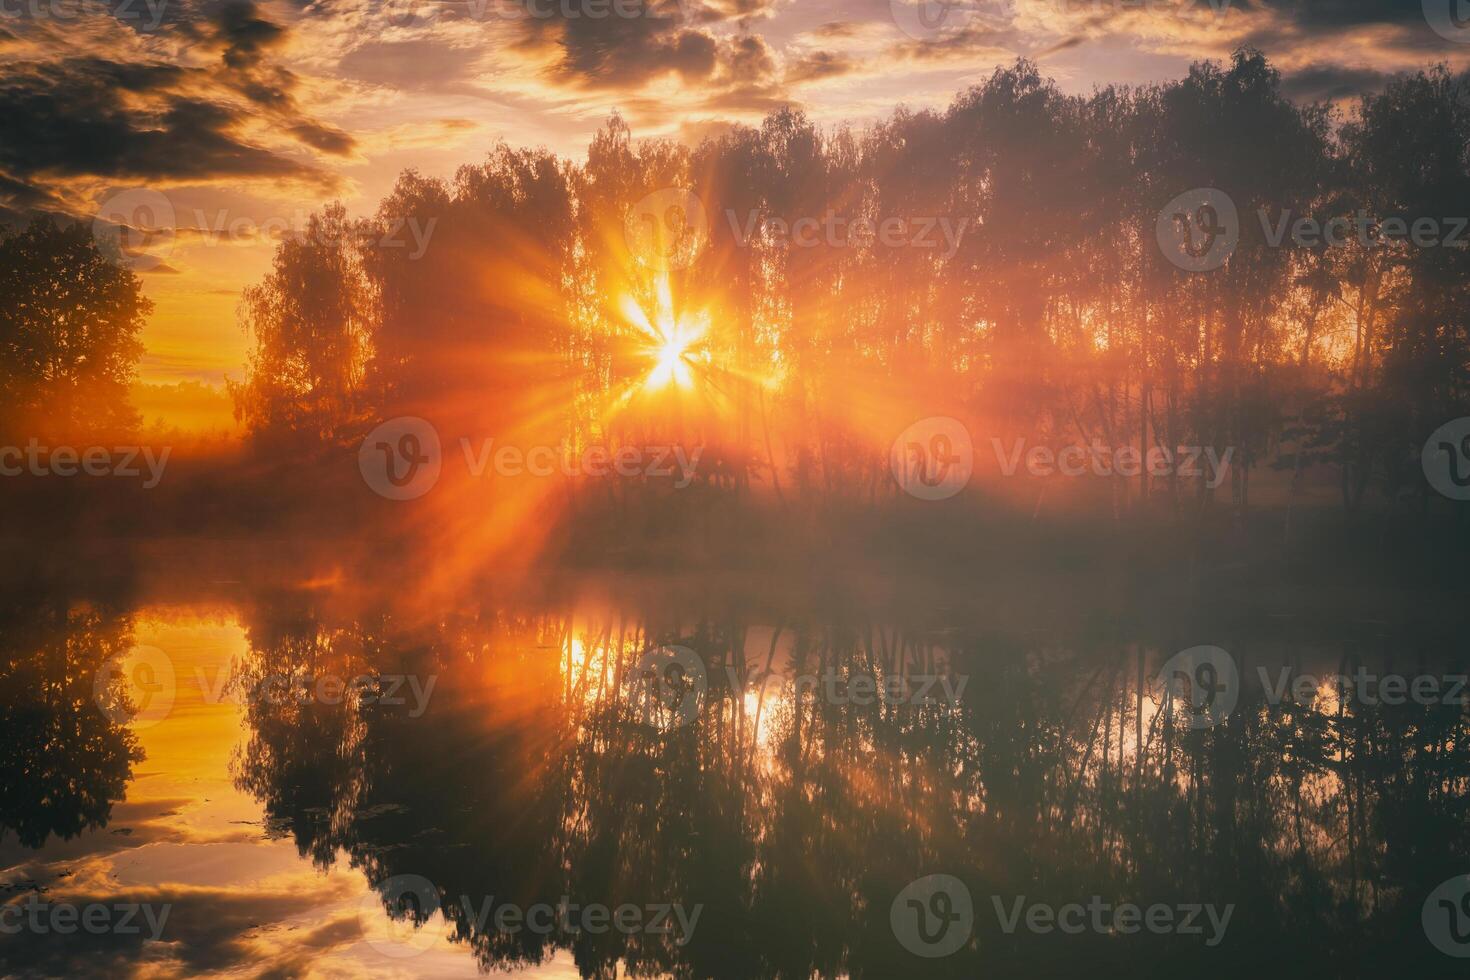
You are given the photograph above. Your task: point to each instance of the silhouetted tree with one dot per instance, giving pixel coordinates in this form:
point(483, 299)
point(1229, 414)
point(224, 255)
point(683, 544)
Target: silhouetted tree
point(69, 324)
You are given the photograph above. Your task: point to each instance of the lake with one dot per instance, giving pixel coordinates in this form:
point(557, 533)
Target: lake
point(307, 771)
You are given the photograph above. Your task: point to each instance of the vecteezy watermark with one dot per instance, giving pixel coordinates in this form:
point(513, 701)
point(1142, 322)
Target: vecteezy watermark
point(933, 458)
point(933, 20)
point(139, 687)
point(401, 459)
point(667, 686)
point(409, 233)
point(139, 229)
point(388, 690)
point(121, 461)
point(1364, 687)
point(933, 916)
point(676, 463)
point(1100, 460)
point(1201, 686)
point(136, 687)
point(1446, 459)
point(838, 231)
point(1198, 230)
point(1446, 916)
point(1123, 918)
point(666, 229)
point(145, 15)
point(863, 688)
point(33, 915)
point(1450, 19)
point(415, 921)
point(135, 228)
point(1341, 230)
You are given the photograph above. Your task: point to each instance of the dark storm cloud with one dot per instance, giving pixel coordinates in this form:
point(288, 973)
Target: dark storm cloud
point(245, 35)
point(1336, 14)
point(621, 52)
point(70, 118)
point(83, 115)
point(1330, 83)
point(625, 52)
point(1407, 21)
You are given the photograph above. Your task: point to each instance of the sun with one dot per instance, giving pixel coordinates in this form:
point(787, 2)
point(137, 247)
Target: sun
point(670, 339)
point(671, 362)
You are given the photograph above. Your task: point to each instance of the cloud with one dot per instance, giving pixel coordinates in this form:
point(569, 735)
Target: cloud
point(420, 63)
point(1332, 83)
point(71, 118)
point(624, 52)
point(77, 119)
point(818, 65)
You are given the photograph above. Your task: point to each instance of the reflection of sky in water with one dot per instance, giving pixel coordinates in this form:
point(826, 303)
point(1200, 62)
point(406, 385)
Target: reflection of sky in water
point(793, 821)
point(244, 899)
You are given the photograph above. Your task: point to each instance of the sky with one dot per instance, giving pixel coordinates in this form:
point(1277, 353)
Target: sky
point(235, 120)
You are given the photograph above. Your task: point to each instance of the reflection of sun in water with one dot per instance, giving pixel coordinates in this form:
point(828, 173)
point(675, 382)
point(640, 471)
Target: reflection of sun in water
point(670, 340)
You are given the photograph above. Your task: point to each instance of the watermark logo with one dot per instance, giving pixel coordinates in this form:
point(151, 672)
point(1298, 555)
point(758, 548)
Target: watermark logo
point(1078, 460)
point(1124, 918)
point(135, 228)
point(1341, 230)
point(674, 463)
point(932, 20)
point(141, 15)
point(1363, 687)
point(668, 684)
point(667, 229)
point(400, 459)
point(411, 691)
point(1198, 230)
point(408, 233)
point(1446, 916)
point(94, 918)
point(860, 688)
point(411, 925)
point(834, 230)
point(933, 916)
point(1450, 19)
point(933, 458)
point(1201, 685)
point(414, 923)
point(121, 461)
point(136, 687)
point(1446, 459)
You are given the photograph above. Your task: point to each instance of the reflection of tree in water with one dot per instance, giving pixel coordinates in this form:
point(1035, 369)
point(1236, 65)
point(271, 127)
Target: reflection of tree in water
point(64, 762)
point(530, 779)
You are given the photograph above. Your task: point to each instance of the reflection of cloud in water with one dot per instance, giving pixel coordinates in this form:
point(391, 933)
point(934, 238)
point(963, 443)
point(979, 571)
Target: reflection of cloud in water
point(187, 837)
point(529, 779)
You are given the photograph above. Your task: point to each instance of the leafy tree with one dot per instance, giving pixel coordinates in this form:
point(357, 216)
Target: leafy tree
point(308, 320)
point(69, 324)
